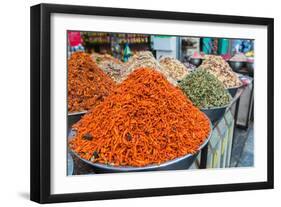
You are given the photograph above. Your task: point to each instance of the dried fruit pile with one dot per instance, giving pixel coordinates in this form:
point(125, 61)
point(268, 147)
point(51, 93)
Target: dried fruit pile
point(145, 121)
point(113, 67)
point(175, 68)
point(204, 89)
point(146, 59)
point(87, 83)
point(220, 68)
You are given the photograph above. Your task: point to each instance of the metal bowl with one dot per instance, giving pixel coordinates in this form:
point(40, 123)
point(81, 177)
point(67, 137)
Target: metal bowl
point(233, 90)
point(215, 113)
point(235, 65)
point(250, 66)
point(74, 117)
point(180, 163)
point(70, 165)
point(196, 61)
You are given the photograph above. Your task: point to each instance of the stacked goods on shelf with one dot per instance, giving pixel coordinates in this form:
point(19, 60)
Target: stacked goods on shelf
point(220, 68)
point(175, 68)
point(146, 59)
point(110, 65)
point(204, 89)
point(90, 38)
point(87, 83)
point(145, 121)
point(133, 38)
point(96, 38)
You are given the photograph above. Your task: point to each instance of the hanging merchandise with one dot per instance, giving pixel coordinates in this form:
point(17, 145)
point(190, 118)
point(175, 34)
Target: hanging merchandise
point(246, 46)
point(215, 46)
point(243, 46)
point(223, 45)
point(75, 41)
point(127, 53)
point(236, 46)
point(115, 47)
point(207, 45)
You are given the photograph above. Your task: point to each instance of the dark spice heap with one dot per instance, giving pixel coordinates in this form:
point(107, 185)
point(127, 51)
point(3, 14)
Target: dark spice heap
point(204, 89)
point(87, 83)
point(145, 121)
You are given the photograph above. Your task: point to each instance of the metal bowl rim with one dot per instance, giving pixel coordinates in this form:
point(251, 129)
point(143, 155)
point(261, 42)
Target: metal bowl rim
point(149, 167)
point(236, 86)
point(77, 113)
point(217, 107)
point(235, 61)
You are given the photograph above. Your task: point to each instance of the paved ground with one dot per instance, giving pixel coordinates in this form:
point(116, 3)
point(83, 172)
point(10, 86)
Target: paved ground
point(243, 151)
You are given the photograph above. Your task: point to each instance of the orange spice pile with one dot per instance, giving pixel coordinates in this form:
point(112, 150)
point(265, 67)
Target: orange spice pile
point(145, 121)
point(87, 83)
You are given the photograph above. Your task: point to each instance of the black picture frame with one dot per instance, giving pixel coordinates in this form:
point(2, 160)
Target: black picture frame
point(41, 96)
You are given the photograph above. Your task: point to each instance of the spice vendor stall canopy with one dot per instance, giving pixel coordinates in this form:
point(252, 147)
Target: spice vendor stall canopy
point(145, 121)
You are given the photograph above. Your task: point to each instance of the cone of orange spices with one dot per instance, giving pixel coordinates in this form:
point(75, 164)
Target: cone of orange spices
point(145, 121)
point(87, 84)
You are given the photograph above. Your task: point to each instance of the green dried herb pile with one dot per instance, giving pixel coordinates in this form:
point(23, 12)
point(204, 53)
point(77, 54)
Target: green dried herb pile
point(204, 89)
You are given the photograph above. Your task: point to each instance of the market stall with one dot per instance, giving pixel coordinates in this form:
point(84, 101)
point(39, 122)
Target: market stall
point(140, 103)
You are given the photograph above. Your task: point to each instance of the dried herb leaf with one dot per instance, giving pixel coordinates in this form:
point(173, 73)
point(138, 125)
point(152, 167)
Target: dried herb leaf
point(204, 89)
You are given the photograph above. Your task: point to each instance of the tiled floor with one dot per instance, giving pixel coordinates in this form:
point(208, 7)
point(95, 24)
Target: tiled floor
point(243, 148)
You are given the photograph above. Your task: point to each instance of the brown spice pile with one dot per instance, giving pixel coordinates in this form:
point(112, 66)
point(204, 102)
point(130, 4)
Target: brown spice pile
point(145, 121)
point(113, 67)
point(174, 67)
point(146, 59)
point(220, 68)
point(87, 83)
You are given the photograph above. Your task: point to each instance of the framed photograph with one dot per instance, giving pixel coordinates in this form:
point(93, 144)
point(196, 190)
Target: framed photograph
point(132, 103)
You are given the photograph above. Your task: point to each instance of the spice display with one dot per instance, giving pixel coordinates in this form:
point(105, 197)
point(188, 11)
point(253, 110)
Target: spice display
point(87, 84)
point(220, 68)
point(110, 65)
point(175, 68)
point(146, 59)
point(204, 89)
point(239, 57)
point(145, 121)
